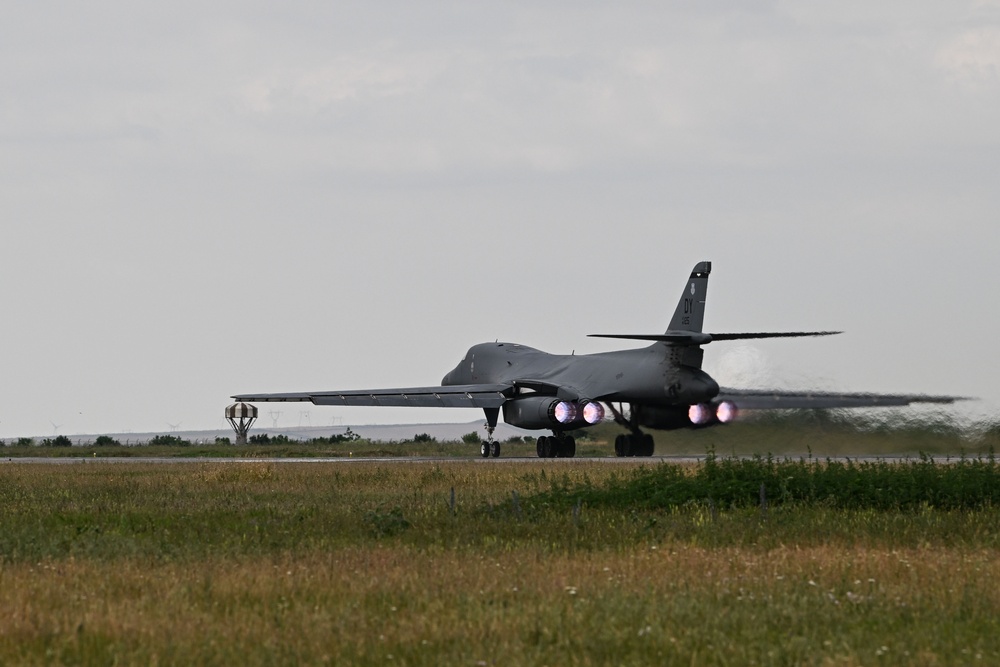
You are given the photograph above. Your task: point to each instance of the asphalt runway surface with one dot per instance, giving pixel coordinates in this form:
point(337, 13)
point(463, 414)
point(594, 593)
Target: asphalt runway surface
point(77, 460)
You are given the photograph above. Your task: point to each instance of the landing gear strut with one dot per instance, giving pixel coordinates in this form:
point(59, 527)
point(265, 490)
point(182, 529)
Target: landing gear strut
point(559, 445)
point(490, 447)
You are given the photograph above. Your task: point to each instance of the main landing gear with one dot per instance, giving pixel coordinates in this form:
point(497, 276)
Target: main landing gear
point(558, 446)
point(634, 444)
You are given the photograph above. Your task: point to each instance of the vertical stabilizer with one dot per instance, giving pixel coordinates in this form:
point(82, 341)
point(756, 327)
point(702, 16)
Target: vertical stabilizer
point(690, 313)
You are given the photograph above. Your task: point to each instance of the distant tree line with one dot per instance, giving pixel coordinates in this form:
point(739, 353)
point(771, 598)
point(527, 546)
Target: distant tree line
point(171, 440)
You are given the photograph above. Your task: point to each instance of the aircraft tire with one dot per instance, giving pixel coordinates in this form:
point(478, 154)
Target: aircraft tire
point(495, 449)
point(648, 446)
point(619, 445)
point(484, 449)
point(628, 445)
point(547, 447)
point(568, 449)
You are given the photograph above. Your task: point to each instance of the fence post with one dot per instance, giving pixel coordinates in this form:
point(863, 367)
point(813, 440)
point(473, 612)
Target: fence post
point(451, 504)
point(763, 501)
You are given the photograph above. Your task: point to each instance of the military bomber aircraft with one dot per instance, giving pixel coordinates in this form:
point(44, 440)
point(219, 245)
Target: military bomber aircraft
point(660, 386)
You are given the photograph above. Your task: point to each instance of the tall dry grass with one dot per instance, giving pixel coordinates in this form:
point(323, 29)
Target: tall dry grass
point(266, 563)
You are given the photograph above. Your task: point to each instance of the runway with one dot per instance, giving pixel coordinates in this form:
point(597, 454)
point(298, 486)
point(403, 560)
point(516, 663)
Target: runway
point(156, 460)
point(400, 460)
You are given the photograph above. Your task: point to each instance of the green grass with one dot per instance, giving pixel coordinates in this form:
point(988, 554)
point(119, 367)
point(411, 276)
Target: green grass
point(366, 563)
point(964, 483)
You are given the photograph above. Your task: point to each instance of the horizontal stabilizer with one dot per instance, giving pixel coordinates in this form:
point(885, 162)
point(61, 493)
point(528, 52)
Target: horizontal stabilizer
point(765, 399)
point(455, 396)
point(770, 334)
point(673, 337)
point(695, 338)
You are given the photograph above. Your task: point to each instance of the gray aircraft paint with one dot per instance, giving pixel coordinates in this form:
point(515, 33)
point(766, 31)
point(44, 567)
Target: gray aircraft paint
point(658, 383)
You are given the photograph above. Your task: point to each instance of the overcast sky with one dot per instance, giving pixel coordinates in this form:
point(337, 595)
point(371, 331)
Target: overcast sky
point(243, 197)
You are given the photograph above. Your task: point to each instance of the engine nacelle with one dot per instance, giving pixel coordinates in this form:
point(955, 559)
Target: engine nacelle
point(541, 412)
point(662, 418)
point(592, 412)
point(695, 416)
point(726, 412)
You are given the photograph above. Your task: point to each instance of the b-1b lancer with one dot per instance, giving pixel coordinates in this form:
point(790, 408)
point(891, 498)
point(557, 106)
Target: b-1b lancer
point(661, 386)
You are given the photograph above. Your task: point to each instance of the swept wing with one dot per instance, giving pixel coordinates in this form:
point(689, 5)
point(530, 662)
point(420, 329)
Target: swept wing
point(455, 396)
point(763, 399)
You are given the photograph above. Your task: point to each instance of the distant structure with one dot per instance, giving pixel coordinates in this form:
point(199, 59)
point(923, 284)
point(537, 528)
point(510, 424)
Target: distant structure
point(241, 417)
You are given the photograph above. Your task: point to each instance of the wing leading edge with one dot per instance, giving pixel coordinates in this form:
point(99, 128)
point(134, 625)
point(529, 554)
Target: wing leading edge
point(763, 399)
point(455, 396)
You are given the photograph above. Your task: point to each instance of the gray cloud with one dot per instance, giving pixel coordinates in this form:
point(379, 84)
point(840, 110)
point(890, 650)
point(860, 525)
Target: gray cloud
point(199, 201)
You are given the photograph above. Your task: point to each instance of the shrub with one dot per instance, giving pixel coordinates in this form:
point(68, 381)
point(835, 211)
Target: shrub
point(58, 441)
point(106, 441)
point(25, 442)
point(220, 440)
point(169, 441)
point(347, 436)
point(471, 438)
point(265, 439)
point(423, 437)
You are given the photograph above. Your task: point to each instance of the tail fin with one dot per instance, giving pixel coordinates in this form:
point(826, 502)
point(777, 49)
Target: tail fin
point(685, 332)
point(690, 313)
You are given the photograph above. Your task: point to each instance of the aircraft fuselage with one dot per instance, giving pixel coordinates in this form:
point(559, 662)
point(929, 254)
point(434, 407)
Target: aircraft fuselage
point(649, 375)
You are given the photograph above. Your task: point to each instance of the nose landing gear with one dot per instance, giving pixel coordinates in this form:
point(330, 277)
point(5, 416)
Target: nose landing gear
point(490, 447)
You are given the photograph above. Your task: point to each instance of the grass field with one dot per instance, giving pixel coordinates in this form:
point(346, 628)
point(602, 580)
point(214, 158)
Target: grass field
point(364, 563)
